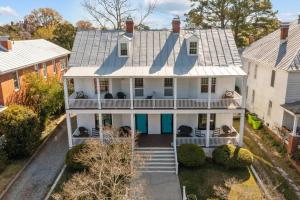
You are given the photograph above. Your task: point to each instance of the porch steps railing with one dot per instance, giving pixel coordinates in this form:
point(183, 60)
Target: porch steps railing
point(155, 159)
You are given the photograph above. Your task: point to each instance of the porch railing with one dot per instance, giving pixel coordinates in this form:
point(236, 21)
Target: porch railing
point(153, 103)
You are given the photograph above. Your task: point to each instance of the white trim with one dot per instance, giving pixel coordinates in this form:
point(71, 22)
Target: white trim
point(132, 124)
point(295, 125)
point(66, 94)
point(175, 92)
point(209, 91)
point(241, 132)
point(131, 92)
point(207, 130)
point(100, 127)
point(69, 128)
point(98, 93)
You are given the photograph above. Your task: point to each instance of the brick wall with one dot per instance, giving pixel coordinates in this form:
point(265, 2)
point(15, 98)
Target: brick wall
point(7, 88)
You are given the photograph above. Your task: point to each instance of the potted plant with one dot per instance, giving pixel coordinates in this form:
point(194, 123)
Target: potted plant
point(250, 118)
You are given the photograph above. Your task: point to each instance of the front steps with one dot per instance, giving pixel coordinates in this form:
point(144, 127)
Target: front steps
point(156, 159)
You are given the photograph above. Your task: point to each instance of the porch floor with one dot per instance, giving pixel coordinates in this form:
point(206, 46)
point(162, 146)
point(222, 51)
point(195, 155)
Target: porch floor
point(155, 140)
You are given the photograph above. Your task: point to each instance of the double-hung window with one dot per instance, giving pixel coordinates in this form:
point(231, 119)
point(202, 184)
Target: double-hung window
point(16, 81)
point(45, 70)
point(193, 48)
point(36, 69)
point(104, 85)
point(123, 49)
point(139, 87)
point(255, 72)
point(168, 84)
point(253, 96)
point(273, 78)
point(270, 108)
point(204, 85)
point(54, 67)
point(63, 63)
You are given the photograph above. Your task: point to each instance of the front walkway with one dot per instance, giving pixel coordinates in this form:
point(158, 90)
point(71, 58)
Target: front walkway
point(161, 186)
point(36, 180)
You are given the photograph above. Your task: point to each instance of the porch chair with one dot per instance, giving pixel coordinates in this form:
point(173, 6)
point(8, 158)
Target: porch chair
point(121, 95)
point(217, 132)
point(199, 133)
point(81, 95)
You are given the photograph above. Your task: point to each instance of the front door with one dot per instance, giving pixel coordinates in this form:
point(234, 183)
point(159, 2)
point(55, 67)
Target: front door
point(166, 124)
point(141, 123)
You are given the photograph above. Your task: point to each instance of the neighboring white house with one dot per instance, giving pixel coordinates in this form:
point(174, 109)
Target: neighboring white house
point(273, 87)
point(160, 81)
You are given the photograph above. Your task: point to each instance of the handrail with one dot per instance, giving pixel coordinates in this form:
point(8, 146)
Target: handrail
point(176, 159)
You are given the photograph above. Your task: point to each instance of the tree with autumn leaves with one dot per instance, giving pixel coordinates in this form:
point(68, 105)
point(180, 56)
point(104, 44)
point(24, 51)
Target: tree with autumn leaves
point(245, 17)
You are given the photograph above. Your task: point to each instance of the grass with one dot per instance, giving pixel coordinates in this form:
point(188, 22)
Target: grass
point(268, 156)
point(214, 182)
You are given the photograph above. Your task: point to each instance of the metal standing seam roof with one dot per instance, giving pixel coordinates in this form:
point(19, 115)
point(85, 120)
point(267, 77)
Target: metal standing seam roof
point(25, 53)
point(271, 51)
point(154, 52)
point(292, 107)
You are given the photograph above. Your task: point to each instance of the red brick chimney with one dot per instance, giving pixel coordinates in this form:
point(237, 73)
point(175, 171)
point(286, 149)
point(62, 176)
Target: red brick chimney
point(284, 30)
point(176, 25)
point(5, 42)
point(129, 25)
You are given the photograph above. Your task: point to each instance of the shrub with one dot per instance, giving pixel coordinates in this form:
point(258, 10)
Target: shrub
point(3, 159)
point(232, 157)
point(191, 155)
point(19, 124)
point(70, 160)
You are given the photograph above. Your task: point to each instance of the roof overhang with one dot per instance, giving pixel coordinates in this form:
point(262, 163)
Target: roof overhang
point(292, 108)
point(167, 71)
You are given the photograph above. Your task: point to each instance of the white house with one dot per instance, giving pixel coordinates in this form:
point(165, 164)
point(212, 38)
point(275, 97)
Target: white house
point(156, 82)
point(273, 87)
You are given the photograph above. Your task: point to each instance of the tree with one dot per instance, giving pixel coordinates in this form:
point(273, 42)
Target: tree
point(43, 17)
point(64, 35)
point(245, 17)
point(45, 32)
point(109, 173)
point(19, 125)
point(84, 25)
point(114, 12)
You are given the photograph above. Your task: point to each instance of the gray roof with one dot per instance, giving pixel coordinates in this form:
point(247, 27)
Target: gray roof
point(270, 51)
point(292, 107)
point(26, 53)
point(155, 48)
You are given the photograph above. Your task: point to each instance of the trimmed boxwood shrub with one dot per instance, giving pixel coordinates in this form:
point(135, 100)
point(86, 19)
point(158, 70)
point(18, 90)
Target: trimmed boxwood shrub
point(231, 157)
point(19, 124)
point(3, 159)
point(70, 160)
point(191, 155)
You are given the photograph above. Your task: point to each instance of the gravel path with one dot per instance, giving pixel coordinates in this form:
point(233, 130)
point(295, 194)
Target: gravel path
point(37, 178)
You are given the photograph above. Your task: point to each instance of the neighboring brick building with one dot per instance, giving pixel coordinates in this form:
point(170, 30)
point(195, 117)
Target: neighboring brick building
point(18, 58)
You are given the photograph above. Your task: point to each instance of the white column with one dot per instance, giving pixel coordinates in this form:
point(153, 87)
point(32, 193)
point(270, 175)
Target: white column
point(110, 85)
point(243, 91)
point(175, 92)
point(69, 129)
point(295, 125)
point(174, 129)
point(100, 128)
point(209, 92)
point(66, 93)
point(131, 92)
point(132, 131)
point(98, 93)
point(207, 130)
point(242, 124)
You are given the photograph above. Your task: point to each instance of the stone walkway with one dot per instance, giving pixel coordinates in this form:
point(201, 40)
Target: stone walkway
point(36, 180)
point(161, 186)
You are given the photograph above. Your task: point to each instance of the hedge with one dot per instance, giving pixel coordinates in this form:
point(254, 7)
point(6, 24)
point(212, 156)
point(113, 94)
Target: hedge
point(191, 155)
point(231, 156)
point(70, 160)
point(3, 159)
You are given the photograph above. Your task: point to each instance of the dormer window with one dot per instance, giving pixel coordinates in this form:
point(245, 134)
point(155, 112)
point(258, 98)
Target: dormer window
point(193, 48)
point(123, 49)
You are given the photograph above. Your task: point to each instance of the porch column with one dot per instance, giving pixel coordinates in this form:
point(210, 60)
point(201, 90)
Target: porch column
point(110, 85)
point(175, 92)
point(295, 125)
point(242, 123)
point(209, 92)
point(207, 130)
point(66, 93)
point(132, 131)
point(98, 93)
point(243, 92)
point(100, 128)
point(174, 129)
point(69, 129)
point(131, 92)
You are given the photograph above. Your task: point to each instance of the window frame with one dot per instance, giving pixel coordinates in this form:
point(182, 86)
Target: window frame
point(270, 106)
point(138, 87)
point(253, 97)
point(203, 122)
point(45, 73)
point(16, 80)
point(255, 72)
point(54, 67)
point(168, 88)
point(104, 85)
point(121, 50)
point(63, 64)
point(273, 77)
point(193, 48)
point(205, 86)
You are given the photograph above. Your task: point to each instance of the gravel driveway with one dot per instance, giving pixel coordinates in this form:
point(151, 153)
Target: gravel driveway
point(36, 180)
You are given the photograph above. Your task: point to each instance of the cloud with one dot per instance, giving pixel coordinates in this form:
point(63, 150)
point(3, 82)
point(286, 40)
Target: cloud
point(172, 7)
point(289, 16)
point(6, 10)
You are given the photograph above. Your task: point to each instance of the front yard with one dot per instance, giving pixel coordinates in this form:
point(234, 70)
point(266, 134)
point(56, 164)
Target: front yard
point(214, 182)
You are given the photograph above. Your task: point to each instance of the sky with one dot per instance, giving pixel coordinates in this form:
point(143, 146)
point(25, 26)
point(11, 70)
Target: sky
point(71, 10)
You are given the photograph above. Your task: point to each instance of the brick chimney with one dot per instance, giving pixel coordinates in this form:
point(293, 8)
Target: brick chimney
point(5, 42)
point(176, 25)
point(129, 25)
point(284, 30)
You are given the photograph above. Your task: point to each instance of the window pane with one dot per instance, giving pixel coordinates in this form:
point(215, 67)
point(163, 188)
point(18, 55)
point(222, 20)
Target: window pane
point(123, 47)
point(168, 82)
point(16, 81)
point(204, 88)
point(45, 70)
point(193, 47)
point(168, 92)
point(139, 92)
point(138, 82)
point(104, 85)
point(204, 81)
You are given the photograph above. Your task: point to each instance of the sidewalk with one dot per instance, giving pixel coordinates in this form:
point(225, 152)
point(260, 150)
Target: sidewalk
point(37, 178)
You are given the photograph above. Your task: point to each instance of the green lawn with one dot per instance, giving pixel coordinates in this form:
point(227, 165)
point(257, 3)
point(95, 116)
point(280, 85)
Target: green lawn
point(214, 182)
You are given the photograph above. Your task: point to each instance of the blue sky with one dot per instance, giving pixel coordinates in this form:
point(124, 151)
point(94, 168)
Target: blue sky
point(12, 10)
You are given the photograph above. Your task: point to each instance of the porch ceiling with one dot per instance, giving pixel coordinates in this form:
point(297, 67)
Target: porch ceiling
point(292, 107)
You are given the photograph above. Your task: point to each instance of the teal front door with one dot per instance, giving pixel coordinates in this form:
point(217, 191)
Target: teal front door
point(166, 124)
point(141, 123)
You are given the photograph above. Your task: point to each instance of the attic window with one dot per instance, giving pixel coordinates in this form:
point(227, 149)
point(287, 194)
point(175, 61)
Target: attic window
point(193, 48)
point(123, 49)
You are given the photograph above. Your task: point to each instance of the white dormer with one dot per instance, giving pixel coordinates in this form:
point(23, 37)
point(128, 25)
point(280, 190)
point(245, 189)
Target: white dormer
point(124, 45)
point(192, 43)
